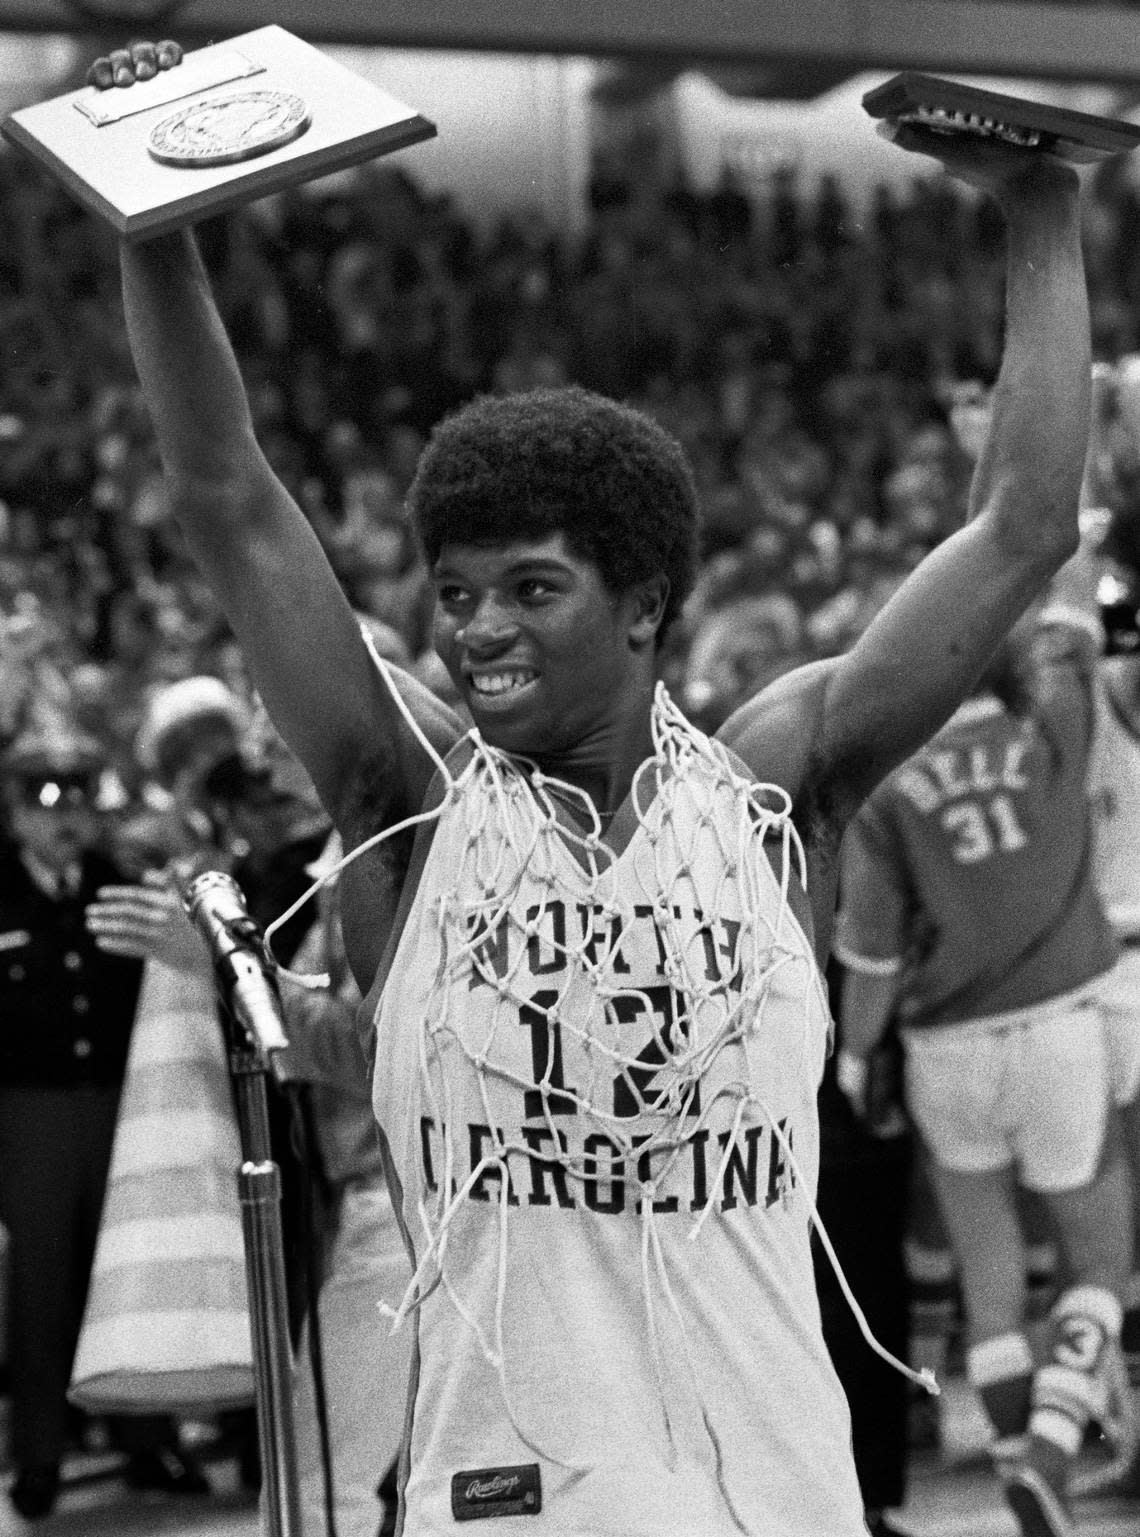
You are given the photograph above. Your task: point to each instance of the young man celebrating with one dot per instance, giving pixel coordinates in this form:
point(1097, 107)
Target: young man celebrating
point(600, 1027)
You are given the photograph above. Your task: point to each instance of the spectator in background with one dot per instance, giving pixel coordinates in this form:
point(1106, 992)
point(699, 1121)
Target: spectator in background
point(188, 728)
point(68, 1011)
point(738, 648)
point(244, 805)
point(375, 557)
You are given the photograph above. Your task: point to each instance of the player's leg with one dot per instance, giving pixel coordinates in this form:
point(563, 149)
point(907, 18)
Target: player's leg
point(935, 1298)
point(1069, 1152)
point(955, 1079)
point(1120, 996)
point(1042, 1253)
point(1083, 1378)
point(981, 1218)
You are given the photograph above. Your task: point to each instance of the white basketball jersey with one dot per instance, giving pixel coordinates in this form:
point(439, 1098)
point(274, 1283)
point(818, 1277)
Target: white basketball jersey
point(591, 1069)
point(1114, 790)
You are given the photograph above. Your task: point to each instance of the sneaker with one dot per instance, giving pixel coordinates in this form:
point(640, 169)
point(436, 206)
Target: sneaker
point(1039, 1509)
point(1112, 1441)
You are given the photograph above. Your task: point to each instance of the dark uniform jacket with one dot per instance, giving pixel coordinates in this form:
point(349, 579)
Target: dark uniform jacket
point(66, 1009)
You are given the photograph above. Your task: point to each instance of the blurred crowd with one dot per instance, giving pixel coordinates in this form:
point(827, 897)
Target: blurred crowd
point(809, 354)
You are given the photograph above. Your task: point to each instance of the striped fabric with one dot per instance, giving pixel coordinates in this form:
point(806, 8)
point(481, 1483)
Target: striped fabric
point(167, 1324)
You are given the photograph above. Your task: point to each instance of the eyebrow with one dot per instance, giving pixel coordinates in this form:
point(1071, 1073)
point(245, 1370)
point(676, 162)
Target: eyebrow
point(536, 564)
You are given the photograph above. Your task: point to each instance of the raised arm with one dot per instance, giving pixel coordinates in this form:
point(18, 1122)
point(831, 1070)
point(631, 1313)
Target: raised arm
point(261, 556)
point(846, 723)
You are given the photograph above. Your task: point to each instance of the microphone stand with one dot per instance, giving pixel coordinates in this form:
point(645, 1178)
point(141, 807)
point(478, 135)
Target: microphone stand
point(259, 1187)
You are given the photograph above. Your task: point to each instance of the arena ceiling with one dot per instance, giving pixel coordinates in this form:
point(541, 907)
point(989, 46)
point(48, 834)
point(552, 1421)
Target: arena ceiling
point(767, 47)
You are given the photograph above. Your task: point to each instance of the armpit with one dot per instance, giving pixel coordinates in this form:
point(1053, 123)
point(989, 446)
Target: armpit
point(371, 801)
point(825, 804)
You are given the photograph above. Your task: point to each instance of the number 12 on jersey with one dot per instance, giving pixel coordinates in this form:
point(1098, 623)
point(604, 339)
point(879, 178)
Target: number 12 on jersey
point(634, 1088)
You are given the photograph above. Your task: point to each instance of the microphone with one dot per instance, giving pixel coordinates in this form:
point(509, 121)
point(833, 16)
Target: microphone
point(242, 965)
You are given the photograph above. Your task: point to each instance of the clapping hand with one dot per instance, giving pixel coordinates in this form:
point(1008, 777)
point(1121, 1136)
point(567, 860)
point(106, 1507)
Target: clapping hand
point(147, 922)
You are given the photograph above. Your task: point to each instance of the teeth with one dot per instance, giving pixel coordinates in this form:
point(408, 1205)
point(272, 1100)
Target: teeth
point(500, 682)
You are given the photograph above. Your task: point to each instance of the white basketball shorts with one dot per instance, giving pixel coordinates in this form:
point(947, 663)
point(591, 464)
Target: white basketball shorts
point(1120, 995)
point(1028, 1089)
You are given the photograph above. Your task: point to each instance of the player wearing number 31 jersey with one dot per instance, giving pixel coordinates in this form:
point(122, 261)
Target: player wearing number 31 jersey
point(969, 916)
point(969, 869)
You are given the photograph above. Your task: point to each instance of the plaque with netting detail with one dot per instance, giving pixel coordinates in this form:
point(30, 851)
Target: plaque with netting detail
point(233, 122)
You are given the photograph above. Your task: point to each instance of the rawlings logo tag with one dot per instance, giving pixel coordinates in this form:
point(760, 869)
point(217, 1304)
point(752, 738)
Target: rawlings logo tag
point(480, 1493)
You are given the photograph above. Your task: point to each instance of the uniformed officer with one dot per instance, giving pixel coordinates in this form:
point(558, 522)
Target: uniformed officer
point(66, 1012)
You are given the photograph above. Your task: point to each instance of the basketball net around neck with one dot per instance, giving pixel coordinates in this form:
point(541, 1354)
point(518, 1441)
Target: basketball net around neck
point(514, 828)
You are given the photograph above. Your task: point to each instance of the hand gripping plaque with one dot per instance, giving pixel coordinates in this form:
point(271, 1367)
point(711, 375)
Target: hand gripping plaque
point(233, 122)
point(949, 107)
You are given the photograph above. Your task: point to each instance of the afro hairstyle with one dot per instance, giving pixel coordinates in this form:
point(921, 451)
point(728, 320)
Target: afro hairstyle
point(565, 460)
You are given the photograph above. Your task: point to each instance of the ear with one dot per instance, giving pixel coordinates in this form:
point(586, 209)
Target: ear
point(649, 599)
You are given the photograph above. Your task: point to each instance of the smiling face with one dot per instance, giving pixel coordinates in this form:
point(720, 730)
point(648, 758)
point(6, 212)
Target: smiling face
point(547, 660)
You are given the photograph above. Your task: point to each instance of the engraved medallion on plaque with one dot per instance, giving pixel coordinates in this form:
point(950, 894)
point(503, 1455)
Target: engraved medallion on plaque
point(226, 129)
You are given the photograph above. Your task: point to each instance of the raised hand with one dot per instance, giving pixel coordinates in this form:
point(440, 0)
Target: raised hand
point(137, 61)
point(987, 163)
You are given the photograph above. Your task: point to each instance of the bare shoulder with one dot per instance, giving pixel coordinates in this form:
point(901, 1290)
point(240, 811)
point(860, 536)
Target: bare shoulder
point(777, 734)
point(783, 738)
